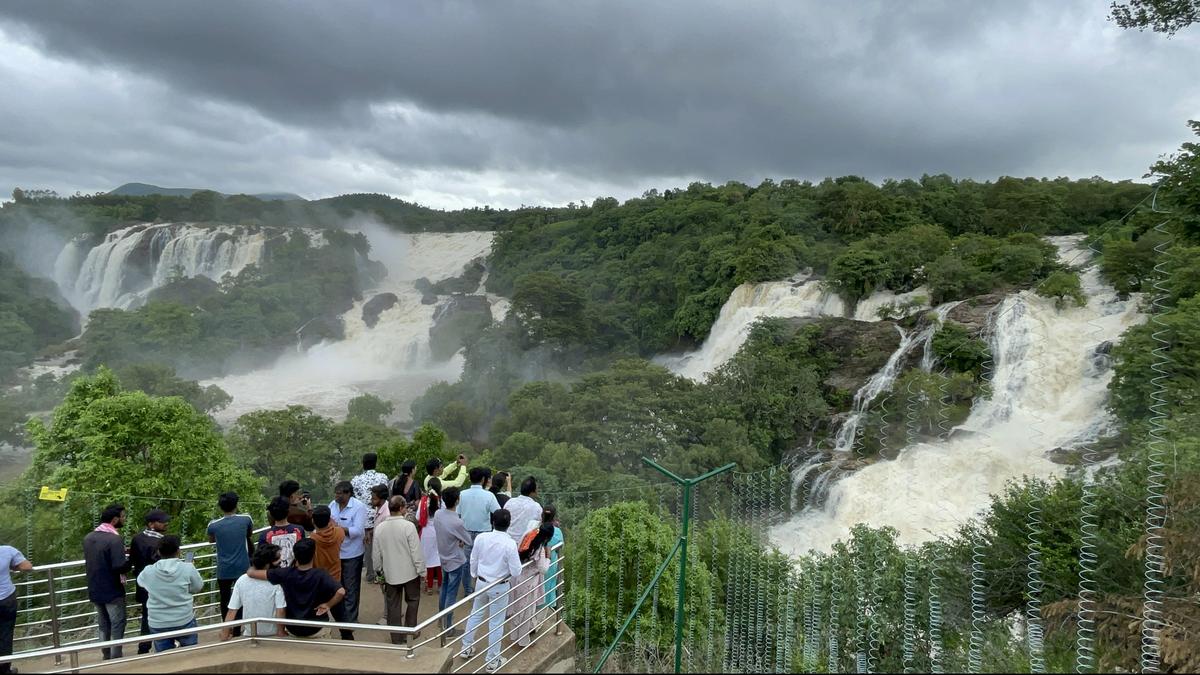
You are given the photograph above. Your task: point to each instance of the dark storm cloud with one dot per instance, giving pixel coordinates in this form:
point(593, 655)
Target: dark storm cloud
point(616, 94)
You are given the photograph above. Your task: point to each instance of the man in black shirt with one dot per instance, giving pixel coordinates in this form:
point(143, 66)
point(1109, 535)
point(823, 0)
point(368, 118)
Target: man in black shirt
point(310, 591)
point(143, 552)
point(105, 563)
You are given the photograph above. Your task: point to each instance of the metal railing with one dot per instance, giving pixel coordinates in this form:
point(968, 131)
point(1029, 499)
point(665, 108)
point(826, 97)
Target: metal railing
point(535, 587)
point(55, 610)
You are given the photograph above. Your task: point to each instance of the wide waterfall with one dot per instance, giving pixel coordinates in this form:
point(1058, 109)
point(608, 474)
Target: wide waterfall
point(796, 297)
point(1046, 393)
point(391, 359)
point(128, 263)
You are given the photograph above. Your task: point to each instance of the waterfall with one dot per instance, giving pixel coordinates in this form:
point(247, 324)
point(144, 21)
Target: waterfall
point(796, 297)
point(942, 311)
point(880, 382)
point(1043, 362)
point(392, 359)
point(130, 262)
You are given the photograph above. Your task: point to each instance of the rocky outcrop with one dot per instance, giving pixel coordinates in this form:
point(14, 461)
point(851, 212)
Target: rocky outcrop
point(453, 320)
point(858, 348)
point(377, 305)
point(425, 287)
point(973, 312)
point(467, 282)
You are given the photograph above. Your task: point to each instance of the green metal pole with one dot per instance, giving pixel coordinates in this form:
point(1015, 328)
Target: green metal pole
point(683, 563)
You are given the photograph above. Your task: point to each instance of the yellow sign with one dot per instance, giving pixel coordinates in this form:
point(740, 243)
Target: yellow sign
point(53, 495)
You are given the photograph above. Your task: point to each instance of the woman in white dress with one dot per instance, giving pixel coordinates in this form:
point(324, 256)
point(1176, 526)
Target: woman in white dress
point(527, 593)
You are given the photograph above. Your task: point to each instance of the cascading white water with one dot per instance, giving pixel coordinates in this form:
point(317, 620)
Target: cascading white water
point(943, 310)
point(128, 263)
point(1046, 393)
point(391, 360)
point(868, 308)
point(796, 297)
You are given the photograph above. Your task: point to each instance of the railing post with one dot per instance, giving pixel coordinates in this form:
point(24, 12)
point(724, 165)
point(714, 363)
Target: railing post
point(55, 638)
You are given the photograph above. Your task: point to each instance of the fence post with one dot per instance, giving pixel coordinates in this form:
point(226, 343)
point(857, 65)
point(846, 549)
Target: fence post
point(681, 549)
point(55, 639)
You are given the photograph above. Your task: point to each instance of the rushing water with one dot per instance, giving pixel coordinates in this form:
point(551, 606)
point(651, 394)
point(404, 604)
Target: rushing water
point(391, 360)
point(130, 262)
point(797, 297)
point(1046, 393)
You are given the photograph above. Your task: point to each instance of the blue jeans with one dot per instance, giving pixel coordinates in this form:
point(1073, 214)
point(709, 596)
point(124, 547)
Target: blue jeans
point(163, 644)
point(110, 623)
point(495, 602)
point(449, 593)
point(468, 582)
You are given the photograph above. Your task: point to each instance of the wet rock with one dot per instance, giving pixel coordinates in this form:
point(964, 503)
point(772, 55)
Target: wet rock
point(377, 305)
point(1104, 348)
point(467, 282)
point(973, 312)
point(454, 320)
point(425, 287)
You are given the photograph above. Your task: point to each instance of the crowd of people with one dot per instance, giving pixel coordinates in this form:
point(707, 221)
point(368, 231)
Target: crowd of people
point(457, 529)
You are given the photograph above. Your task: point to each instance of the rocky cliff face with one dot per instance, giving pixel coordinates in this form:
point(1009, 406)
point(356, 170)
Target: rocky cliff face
point(457, 316)
point(377, 305)
point(858, 348)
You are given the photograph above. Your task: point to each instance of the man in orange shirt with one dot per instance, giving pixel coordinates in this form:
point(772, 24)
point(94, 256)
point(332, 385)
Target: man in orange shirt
point(329, 542)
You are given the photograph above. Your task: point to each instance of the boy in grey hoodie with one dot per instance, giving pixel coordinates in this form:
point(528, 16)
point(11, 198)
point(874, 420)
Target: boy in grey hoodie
point(170, 583)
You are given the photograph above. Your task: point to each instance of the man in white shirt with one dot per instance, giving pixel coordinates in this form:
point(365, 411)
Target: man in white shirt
point(350, 515)
point(526, 511)
point(476, 506)
point(493, 559)
point(258, 598)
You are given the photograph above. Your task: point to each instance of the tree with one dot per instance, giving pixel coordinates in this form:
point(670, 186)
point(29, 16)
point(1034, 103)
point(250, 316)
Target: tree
point(104, 439)
point(293, 443)
point(369, 408)
point(1160, 16)
point(158, 380)
point(548, 307)
point(1063, 285)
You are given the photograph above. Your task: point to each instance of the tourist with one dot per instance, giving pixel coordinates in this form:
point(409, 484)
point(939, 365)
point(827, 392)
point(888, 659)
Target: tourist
point(452, 542)
point(426, 510)
point(105, 565)
point(552, 583)
point(143, 552)
point(405, 484)
point(170, 584)
point(329, 539)
point(377, 513)
point(434, 469)
point(233, 533)
point(310, 593)
point(494, 561)
point(501, 487)
point(526, 511)
point(299, 504)
point(363, 483)
point(351, 515)
point(11, 561)
point(258, 599)
point(527, 591)
point(476, 506)
point(281, 533)
point(398, 555)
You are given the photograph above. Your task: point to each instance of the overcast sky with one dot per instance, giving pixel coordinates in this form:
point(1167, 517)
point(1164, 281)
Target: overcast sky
point(460, 104)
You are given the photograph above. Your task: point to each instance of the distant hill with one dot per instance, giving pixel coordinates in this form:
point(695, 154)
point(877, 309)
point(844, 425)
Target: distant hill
point(143, 189)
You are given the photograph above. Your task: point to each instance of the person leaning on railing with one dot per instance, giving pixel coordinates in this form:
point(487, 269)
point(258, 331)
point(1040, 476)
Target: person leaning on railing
point(11, 561)
point(494, 560)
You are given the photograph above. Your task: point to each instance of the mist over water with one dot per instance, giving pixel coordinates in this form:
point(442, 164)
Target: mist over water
point(1046, 393)
point(391, 360)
